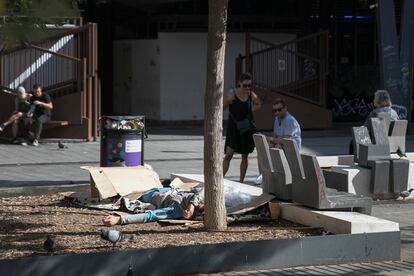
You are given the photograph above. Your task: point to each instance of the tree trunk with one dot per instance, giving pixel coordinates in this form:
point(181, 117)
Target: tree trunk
point(215, 211)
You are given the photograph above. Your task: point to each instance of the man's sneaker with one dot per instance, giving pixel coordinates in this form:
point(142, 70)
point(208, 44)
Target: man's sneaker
point(35, 143)
point(2, 127)
point(24, 143)
point(15, 141)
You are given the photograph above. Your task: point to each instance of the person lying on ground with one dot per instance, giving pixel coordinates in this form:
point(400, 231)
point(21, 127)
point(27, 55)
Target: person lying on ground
point(169, 203)
point(22, 106)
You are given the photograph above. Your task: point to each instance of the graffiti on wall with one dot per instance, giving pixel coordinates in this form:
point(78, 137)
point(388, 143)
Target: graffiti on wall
point(357, 109)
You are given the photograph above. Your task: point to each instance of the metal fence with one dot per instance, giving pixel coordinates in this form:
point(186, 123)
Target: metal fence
point(297, 68)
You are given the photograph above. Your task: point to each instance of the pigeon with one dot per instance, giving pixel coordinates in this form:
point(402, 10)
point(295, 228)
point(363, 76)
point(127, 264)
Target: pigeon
point(61, 145)
point(400, 153)
point(49, 245)
point(405, 194)
point(115, 236)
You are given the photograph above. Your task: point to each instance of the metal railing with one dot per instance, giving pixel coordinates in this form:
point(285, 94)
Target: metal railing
point(297, 68)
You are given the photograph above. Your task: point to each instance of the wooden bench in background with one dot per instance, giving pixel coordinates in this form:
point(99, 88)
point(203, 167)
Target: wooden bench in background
point(52, 124)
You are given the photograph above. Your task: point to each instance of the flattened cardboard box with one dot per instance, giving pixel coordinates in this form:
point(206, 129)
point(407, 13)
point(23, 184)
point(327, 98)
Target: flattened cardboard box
point(108, 182)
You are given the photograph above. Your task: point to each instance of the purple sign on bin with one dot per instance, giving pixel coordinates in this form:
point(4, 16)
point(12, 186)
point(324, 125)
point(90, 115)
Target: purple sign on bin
point(124, 152)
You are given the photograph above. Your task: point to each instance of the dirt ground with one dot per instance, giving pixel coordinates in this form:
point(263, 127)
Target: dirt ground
point(26, 222)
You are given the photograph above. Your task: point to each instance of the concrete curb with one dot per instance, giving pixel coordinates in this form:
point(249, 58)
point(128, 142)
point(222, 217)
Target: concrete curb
point(249, 255)
point(47, 188)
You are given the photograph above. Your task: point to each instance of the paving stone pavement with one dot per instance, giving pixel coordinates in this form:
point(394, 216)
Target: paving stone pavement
point(185, 155)
point(403, 213)
point(168, 150)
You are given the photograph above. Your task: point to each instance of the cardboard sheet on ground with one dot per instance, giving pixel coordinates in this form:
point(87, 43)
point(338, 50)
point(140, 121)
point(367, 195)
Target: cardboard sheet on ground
point(255, 195)
point(256, 202)
point(177, 183)
point(238, 202)
point(108, 182)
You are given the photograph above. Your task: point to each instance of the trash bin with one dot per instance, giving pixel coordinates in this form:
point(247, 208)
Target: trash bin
point(122, 141)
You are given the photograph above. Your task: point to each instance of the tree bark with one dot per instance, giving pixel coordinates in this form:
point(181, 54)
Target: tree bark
point(215, 211)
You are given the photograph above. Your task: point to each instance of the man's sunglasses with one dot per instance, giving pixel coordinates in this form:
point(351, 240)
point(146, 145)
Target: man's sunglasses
point(247, 85)
point(277, 110)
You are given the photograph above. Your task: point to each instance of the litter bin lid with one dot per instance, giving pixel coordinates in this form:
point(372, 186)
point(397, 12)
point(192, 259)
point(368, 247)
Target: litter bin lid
point(125, 131)
point(123, 123)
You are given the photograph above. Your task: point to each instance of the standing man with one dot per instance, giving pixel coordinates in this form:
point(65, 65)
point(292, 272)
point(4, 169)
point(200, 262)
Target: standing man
point(242, 102)
point(41, 111)
point(286, 126)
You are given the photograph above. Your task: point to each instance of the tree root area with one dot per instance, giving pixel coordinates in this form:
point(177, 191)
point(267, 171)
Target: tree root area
point(26, 221)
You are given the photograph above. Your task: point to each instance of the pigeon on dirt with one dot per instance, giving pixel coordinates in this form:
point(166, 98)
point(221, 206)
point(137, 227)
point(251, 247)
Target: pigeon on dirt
point(405, 194)
point(49, 245)
point(61, 145)
point(115, 236)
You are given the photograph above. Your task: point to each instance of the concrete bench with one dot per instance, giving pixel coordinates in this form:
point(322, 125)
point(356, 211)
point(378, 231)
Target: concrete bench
point(396, 137)
point(277, 178)
point(334, 222)
point(309, 187)
point(329, 161)
point(395, 131)
point(387, 174)
point(376, 156)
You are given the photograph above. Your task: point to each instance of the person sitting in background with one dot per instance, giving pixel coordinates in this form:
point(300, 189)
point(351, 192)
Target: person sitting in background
point(22, 106)
point(41, 112)
point(285, 126)
point(170, 203)
point(382, 104)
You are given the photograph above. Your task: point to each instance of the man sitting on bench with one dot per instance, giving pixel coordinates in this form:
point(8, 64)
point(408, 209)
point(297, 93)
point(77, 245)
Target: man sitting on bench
point(285, 125)
point(22, 106)
point(40, 113)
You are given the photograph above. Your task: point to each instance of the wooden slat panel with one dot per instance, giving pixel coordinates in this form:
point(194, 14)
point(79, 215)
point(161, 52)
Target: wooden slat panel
point(68, 108)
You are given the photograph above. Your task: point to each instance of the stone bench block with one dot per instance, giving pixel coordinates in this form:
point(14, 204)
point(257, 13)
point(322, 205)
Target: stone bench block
point(399, 175)
point(380, 176)
point(352, 179)
point(335, 160)
point(337, 222)
point(277, 179)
